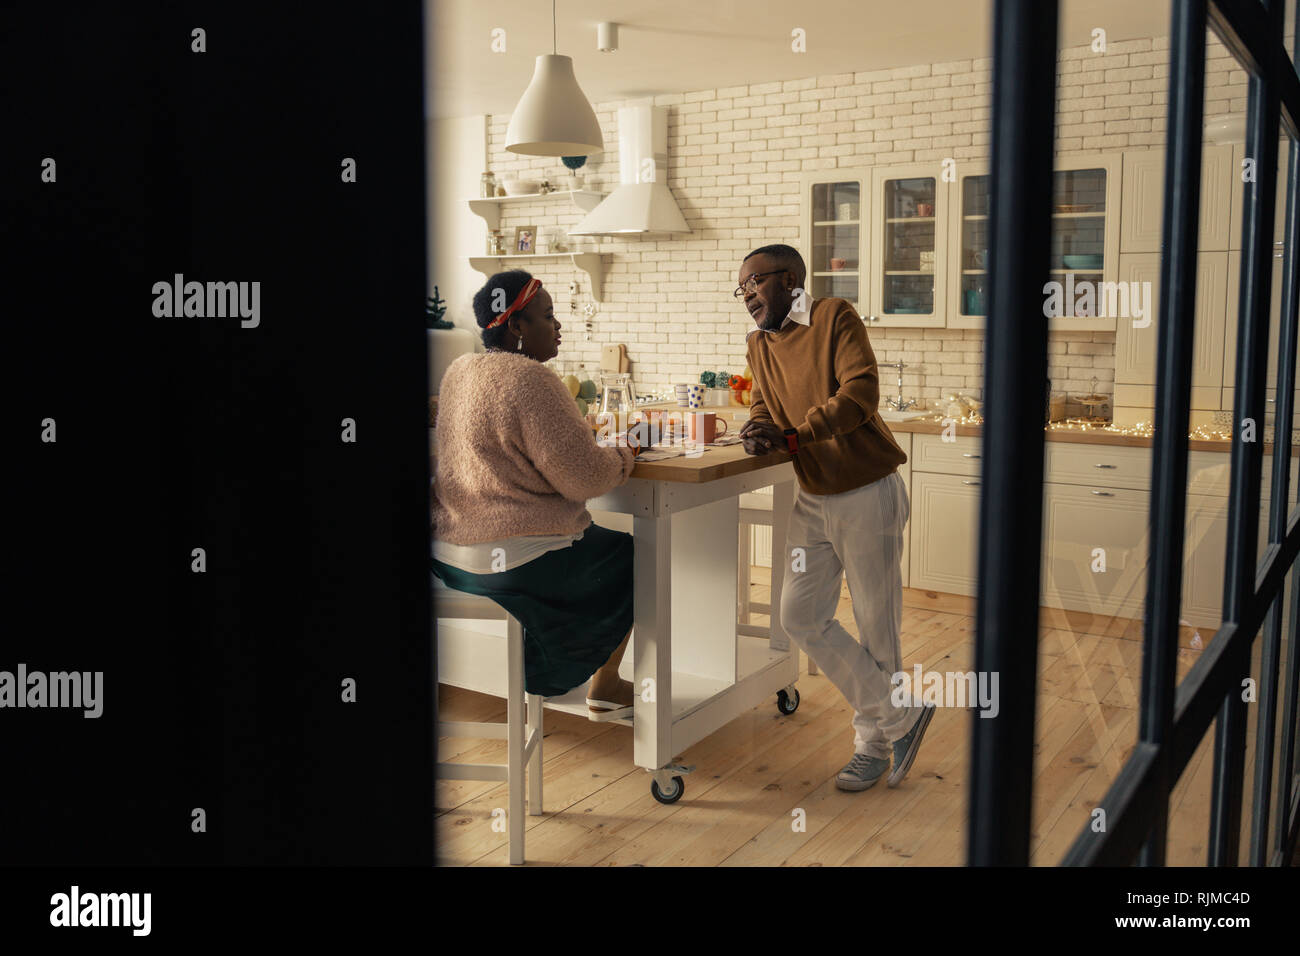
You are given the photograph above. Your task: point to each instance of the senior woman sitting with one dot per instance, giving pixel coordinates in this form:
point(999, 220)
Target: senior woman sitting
point(516, 464)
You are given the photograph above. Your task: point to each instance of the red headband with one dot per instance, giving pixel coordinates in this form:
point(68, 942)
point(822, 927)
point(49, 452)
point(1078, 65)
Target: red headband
point(522, 299)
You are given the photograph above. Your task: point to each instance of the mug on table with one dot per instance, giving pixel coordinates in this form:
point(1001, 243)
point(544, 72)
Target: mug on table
point(704, 427)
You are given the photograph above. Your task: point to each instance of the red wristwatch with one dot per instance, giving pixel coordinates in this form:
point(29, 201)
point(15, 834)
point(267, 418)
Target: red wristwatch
point(792, 440)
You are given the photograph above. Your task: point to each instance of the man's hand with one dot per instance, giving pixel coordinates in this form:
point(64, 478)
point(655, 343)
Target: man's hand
point(760, 437)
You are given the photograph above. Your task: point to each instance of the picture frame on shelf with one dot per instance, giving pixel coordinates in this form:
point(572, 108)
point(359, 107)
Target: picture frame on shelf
point(525, 240)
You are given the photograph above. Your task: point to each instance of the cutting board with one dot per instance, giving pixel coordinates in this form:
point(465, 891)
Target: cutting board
point(613, 358)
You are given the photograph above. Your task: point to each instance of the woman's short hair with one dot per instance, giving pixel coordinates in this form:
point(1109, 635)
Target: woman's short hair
point(488, 304)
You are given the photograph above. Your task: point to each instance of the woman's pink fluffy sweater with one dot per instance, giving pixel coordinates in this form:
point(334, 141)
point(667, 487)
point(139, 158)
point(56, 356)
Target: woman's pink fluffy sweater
point(514, 455)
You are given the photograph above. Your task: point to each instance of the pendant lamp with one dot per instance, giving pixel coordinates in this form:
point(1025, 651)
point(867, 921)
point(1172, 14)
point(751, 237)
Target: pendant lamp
point(553, 117)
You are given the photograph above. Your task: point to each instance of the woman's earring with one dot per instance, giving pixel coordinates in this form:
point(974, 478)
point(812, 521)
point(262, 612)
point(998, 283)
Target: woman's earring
point(520, 346)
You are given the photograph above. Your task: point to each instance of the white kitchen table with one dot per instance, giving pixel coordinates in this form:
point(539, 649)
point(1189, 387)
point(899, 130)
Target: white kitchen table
point(692, 669)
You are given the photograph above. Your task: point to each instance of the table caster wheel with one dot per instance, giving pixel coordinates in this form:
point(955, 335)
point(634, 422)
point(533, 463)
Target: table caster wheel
point(673, 794)
point(787, 701)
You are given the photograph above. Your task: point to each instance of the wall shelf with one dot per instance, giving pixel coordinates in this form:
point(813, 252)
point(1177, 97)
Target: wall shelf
point(591, 263)
point(490, 209)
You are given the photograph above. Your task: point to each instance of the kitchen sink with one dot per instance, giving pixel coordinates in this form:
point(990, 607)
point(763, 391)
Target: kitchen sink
point(893, 415)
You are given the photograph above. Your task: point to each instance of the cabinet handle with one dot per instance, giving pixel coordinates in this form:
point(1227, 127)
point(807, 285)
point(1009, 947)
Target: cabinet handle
point(873, 319)
point(967, 454)
point(966, 481)
point(1105, 466)
point(1104, 494)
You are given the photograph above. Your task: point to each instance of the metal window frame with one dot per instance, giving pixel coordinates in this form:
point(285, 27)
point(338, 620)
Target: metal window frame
point(1173, 718)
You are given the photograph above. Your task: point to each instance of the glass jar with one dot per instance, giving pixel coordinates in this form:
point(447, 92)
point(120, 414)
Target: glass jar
point(616, 397)
point(487, 186)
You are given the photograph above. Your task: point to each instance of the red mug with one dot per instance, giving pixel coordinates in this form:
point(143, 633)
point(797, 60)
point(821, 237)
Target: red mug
point(703, 427)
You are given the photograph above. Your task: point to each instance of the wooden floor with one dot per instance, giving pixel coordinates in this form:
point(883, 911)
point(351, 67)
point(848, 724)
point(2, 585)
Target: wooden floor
point(753, 774)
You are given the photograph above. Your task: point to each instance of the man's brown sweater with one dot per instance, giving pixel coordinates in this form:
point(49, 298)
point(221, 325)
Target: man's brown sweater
point(821, 379)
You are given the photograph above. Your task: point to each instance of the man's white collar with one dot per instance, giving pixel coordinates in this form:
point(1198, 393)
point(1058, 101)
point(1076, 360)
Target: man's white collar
point(801, 317)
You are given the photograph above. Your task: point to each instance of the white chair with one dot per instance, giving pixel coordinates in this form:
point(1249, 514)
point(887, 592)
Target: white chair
point(522, 730)
point(755, 510)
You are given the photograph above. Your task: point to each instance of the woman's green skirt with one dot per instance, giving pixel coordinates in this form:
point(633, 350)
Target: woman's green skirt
point(575, 605)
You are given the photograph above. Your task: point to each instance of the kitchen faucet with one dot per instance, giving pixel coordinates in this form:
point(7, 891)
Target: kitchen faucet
point(897, 403)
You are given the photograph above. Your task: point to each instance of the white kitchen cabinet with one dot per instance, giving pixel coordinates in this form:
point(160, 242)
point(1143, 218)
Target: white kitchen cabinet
point(1085, 227)
point(1094, 496)
point(1086, 528)
point(945, 532)
point(904, 440)
point(1084, 463)
point(968, 242)
point(1085, 224)
point(1144, 194)
point(835, 213)
point(961, 456)
point(1238, 194)
point(1135, 347)
point(909, 239)
point(1230, 330)
point(1205, 551)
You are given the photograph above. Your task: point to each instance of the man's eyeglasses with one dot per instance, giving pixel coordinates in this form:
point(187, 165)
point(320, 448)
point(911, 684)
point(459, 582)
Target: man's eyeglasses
point(751, 283)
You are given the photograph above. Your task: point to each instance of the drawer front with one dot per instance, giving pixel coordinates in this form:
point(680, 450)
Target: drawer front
point(961, 456)
point(1117, 466)
point(945, 532)
point(1210, 473)
point(1084, 527)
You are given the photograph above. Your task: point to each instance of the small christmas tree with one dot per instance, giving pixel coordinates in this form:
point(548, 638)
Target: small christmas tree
point(435, 308)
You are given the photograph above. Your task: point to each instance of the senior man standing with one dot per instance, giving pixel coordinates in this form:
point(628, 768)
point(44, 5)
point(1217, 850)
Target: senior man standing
point(816, 393)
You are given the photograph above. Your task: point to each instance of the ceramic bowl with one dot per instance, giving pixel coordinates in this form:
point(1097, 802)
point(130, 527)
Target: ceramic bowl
point(522, 187)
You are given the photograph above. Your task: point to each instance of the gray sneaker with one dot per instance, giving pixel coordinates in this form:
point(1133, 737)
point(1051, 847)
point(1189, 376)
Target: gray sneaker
point(861, 772)
point(905, 747)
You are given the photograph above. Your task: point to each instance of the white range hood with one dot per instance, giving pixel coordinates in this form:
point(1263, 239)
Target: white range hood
point(642, 202)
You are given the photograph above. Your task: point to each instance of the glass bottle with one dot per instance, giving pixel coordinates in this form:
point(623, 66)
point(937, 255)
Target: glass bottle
point(487, 186)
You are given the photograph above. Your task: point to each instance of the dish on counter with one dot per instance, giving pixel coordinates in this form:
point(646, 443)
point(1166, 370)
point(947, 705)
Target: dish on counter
point(1082, 262)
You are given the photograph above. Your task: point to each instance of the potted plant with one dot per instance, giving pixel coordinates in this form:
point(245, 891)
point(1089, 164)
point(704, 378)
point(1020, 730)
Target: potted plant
point(435, 307)
point(573, 164)
point(445, 341)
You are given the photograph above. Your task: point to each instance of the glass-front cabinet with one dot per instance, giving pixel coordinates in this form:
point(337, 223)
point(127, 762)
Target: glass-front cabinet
point(908, 245)
point(1085, 241)
point(1084, 250)
point(833, 228)
point(972, 206)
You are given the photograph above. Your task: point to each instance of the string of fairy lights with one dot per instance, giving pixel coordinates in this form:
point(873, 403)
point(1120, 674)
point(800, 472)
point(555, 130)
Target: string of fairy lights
point(1137, 430)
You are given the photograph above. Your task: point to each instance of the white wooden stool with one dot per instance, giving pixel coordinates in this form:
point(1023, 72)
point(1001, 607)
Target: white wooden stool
point(755, 510)
point(522, 731)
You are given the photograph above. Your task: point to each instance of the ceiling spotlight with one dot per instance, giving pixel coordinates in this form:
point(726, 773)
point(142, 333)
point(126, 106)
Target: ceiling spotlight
point(607, 37)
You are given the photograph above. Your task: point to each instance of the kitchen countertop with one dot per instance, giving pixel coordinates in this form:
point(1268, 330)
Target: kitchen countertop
point(1096, 435)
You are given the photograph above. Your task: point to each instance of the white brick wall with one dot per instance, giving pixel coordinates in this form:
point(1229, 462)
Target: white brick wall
point(734, 158)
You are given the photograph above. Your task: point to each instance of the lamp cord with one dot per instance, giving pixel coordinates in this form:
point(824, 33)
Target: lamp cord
point(554, 48)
